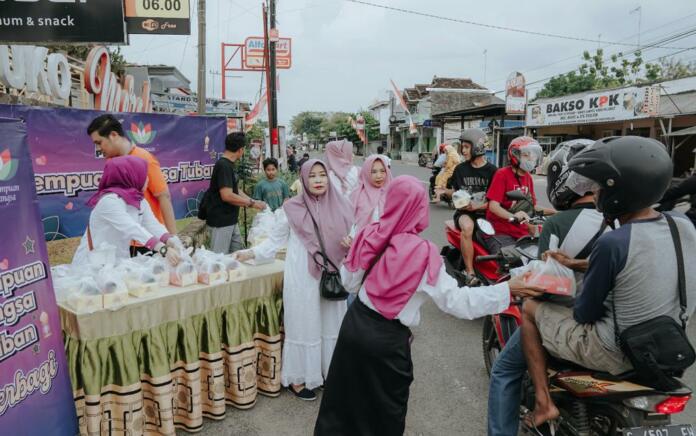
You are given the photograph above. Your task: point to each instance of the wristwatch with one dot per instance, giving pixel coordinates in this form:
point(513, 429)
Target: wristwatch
point(163, 251)
point(251, 202)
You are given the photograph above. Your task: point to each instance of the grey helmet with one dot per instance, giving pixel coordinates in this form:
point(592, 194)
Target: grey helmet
point(477, 138)
point(631, 172)
point(561, 195)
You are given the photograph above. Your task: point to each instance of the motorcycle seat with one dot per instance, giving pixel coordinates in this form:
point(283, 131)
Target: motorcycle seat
point(561, 365)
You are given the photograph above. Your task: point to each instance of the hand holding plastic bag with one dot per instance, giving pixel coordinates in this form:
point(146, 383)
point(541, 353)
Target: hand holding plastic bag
point(552, 276)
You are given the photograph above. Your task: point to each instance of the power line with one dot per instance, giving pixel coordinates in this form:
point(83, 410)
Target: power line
point(495, 27)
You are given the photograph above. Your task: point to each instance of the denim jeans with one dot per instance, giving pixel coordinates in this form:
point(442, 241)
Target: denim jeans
point(505, 390)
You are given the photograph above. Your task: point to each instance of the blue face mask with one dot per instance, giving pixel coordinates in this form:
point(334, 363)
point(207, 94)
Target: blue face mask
point(527, 165)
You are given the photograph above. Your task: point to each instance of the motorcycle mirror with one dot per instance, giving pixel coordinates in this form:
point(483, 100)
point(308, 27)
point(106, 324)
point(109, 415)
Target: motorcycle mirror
point(515, 195)
point(485, 226)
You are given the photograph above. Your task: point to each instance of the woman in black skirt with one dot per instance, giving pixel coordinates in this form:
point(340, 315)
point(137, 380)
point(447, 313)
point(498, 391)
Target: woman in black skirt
point(371, 370)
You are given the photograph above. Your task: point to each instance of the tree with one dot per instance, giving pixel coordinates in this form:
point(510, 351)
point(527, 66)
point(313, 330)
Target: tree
point(308, 123)
point(118, 62)
point(671, 69)
point(257, 131)
point(598, 73)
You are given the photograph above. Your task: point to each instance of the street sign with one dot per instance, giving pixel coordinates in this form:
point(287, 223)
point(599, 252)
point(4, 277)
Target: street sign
point(84, 21)
point(254, 53)
point(161, 17)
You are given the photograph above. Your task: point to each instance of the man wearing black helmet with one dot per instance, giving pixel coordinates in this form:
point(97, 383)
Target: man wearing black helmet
point(577, 225)
point(473, 175)
point(632, 273)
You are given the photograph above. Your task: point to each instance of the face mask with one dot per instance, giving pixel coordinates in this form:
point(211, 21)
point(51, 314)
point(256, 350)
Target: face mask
point(527, 165)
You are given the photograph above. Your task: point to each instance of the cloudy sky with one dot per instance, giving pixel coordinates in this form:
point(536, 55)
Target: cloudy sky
point(345, 53)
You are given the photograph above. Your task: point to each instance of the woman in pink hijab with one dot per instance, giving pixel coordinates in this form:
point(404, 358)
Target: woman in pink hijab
point(371, 372)
point(339, 161)
point(311, 323)
point(368, 198)
point(121, 215)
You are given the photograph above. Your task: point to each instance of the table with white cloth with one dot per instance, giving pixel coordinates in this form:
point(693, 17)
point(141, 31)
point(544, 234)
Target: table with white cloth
point(167, 359)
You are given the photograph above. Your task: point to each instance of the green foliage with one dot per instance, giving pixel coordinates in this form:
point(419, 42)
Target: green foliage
point(309, 123)
point(596, 72)
point(256, 132)
point(319, 125)
point(118, 62)
point(671, 69)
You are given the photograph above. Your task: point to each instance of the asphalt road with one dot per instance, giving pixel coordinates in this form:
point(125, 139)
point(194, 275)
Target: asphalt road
point(450, 391)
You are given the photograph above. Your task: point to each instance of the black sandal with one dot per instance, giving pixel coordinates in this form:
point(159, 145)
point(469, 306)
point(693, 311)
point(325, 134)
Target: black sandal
point(303, 394)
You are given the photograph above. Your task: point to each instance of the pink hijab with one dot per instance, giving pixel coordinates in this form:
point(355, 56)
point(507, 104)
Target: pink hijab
point(366, 197)
point(339, 158)
point(406, 256)
point(333, 216)
point(124, 176)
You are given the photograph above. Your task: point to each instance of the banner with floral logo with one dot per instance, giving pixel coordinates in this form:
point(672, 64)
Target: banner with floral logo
point(35, 392)
point(68, 167)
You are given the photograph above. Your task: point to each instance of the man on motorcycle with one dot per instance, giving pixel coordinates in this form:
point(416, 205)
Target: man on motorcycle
point(632, 274)
point(509, 217)
point(438, 161)
point(577, 224)
point(474, 175)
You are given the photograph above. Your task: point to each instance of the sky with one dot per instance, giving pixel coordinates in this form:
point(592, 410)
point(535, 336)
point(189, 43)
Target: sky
point(345, 53)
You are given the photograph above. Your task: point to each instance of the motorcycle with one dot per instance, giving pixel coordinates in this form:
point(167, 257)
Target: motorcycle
point(590, 402)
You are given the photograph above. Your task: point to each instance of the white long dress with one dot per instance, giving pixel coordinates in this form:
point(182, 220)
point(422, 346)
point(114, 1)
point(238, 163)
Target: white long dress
point(352, 180)
point(311, 323)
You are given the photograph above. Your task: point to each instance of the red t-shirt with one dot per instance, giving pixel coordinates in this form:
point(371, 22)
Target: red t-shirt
point(506, 180)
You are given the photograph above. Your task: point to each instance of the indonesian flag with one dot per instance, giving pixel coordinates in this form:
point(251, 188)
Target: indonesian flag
point(399, 95)
point(359, 127)
point(253, 116)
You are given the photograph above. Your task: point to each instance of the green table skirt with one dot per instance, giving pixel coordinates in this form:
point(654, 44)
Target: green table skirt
point(171, 375)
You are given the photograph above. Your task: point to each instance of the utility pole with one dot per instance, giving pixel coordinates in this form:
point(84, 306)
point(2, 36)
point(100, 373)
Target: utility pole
point(273, 108)
point(201, 57)
point(639, 9)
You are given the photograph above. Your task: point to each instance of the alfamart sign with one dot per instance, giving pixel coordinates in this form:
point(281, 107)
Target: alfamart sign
point(33, 70)
point(597, 107)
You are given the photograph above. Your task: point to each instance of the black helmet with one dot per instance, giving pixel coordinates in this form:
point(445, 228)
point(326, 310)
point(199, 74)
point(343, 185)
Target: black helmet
point(559, 193)
point(477, 138)
point(632, 172)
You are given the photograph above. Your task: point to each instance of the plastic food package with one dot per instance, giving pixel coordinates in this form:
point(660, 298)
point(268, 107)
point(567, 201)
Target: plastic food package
point(138, 278)
point(235, 270)
point(183, 274)
point(64, 286)
point(212, 272)
point(478, 199)
point(553, 277)
point(113, 288)
point(261, 227)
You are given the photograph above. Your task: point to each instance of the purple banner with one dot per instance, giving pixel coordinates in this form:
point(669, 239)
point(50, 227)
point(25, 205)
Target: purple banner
point(35, 392)
point(68, 168)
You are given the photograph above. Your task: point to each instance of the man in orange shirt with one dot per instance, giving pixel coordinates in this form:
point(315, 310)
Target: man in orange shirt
point(108, 135)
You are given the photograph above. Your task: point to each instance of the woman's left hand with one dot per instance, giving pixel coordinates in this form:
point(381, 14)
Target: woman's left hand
point(346, 242)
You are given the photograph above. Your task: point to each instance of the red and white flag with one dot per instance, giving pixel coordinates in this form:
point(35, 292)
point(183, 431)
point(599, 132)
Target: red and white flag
point(399, 95)
point(359, 127)
point(253, 116)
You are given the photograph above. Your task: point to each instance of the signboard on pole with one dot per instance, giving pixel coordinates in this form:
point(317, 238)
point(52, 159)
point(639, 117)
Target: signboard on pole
point(83, 21)
point(254, 53)
point(159, 17)
point(188, 104)
point(515, 94)
point(630, 103)
point(34, 380)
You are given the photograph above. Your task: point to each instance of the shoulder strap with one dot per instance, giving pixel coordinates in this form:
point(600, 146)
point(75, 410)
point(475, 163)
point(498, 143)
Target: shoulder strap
point(587, 249)
point(681, 277)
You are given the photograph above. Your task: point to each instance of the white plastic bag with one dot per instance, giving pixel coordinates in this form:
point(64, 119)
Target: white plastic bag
point(184, 274)
point(261, 226)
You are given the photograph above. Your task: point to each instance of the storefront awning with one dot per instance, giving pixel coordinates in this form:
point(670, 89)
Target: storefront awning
point(683, 132)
